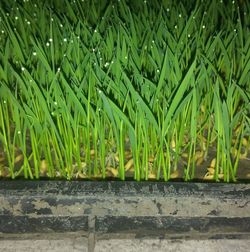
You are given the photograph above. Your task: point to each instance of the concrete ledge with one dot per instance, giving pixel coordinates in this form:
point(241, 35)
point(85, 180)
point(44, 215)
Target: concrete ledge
point(144, 209)
point(56, 242)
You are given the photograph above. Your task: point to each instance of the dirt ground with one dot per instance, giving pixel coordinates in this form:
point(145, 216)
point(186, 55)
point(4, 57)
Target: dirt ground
point(204, 166)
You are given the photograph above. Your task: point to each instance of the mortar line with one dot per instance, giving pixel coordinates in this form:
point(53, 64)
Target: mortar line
point(91, 233)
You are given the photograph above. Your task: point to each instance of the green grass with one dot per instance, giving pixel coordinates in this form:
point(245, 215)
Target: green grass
point(97, 89)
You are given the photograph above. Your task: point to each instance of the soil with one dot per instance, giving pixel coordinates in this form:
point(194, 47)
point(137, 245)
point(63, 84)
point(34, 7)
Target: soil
point(204, 166)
